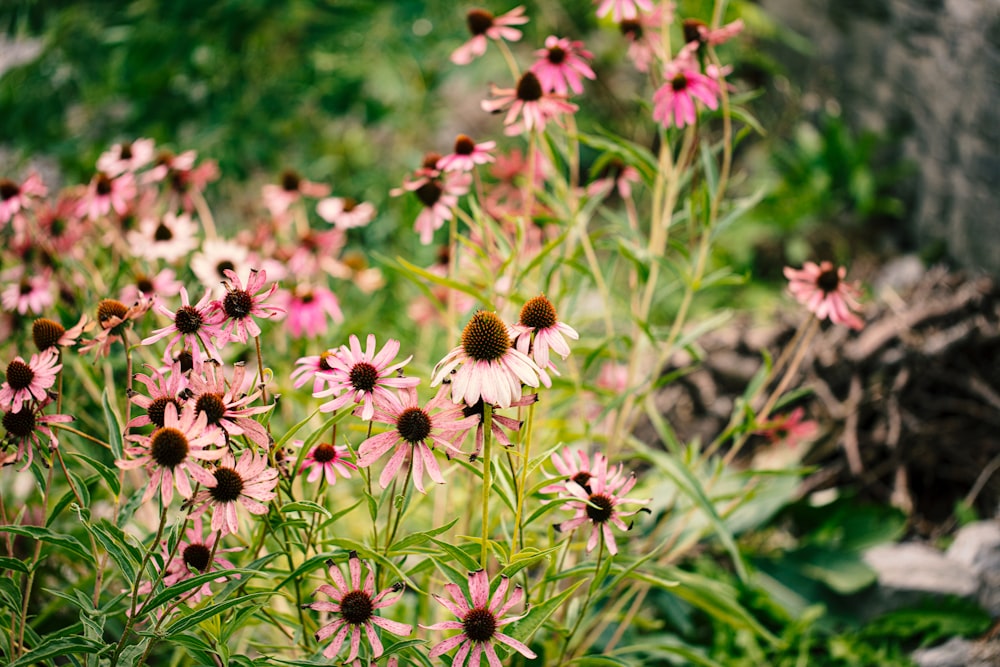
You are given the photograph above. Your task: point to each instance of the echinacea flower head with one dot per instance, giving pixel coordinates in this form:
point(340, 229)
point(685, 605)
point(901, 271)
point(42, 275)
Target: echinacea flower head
point(539, 330)
point(215, 258)
point(127, 156)
point(486, 365)
point(192, 327)
point(344, 212)
point(106, 193)
point(164, 389)
point(562, 65)
point(413, 427)
point(279, 197)
point(439, 195)
point(623, 9)
point(309, 309)
point(26, 427)
point(170, 237)
point(325, 461)
point(113, 316)
point(499, 425)
point(29, 380)
point(643, 34)
point(31, 293)
point(480, 619)
point(196, 554)
point(48, 333)
point(17, 196)
point(791, 429)
point(529, 101)
point(249, 482)
point(467, 154)
point(151, 288)
point(241, 305)
point(362, 377)
point(227, 406)
point(313, 366)
point(697, 31)
point(173, 453)
point(483, 25)
point(353, 608)
point(599, 503)
point(821, 288)
point(573, 466)
point(674, 101)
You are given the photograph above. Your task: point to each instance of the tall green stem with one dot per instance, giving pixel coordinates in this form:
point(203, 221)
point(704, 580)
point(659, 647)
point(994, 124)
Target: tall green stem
point(487, 480)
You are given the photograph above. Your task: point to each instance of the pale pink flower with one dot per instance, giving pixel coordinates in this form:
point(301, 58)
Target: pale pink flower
point(313, 367)
point(363, 377)
point(238, 308)
point(326, 461)
point(613, 377)
point(529, 101)
point(170, 238)
point(113, 316)
point(215, 258)
point(194, 556)
point(192, 327)
point(153, 289)
point(163, 390)
point(29, 380)
point(309, 309)
point(353, 608)
point(127, 156)
point(480, 619)
point(17, 196)
point(486, 365)
point(499, 425)
point(413, 427)
point(562, 65)
point(344, 212)
point(697, 31)
point(184, 182)
point(24, 427)
point(623, 9)
point(227, 406)
point(439, 194)
point(539, 330)
point(821, 289)
point(674, 101)
point(616, 177)
point(467, 154)
point(167, 163)
point(791, 429)
point(278, 198)
point(353, 267)
point(60, 225)
point(482, 24)
point(105, 194)
point(645, 44)
point(573, 466)
point(49, 334)
point(31, 293)
point(249, 482)
point(599, 503)
point(173, 453)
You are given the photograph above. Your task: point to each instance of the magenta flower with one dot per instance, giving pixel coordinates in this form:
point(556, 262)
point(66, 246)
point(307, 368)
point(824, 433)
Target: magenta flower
point(170, 237)
point(195, 555)
point(697, 31)
point(363, 377)
point(239, 306)
point(485, 365)
point(354, 608)
point(24, 427)
point(191, 326)
point(173, 453)
point(538, 330)
point(467, 155)
point(30, 293)
point(482, 24)
point(528, 100)
point(113, 316)
point(562, 65)
point(163, 390)
point(278, 198)
point(599, 502)
point(313, 367)
point(249, 482)
point(127, 156)
point(499, 424)
point(29, 380)
point(479, 621)
point(643, 34)
point(623, 9)
point(227, 407)
point(309, 309)
point(573, 466)
point(344, 212)
point(616, 176)
point(413, 427)
point(16, 196)
point(105, 194)
point(791, 428)
point(674, 101)
point(821, 289)
point(326, 460)
point(439, 194)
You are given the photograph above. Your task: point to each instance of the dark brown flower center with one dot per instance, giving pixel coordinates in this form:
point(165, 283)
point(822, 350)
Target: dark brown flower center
point(19, 375)
point(188, 320)
point(429, 193)
point(168, 447)
point(631, 28)
point(213, 407)
point(307, 298)
point(20, 424)
point(828, 281)
point(196, 556)
point(600, 508)
point(186, 360)
point(485, 337)
point(46, 333)
point(464, 145)
point(324, 453)
point(110, 308)
point(692, 30)
point(290, 181)
point(223, 266)
point(679, 83)
point(538, 313)
point(125, 151)
point(144, 284)
point(363, 376)
point(431, 160)
point(228, 485)
point(237, 304)
point(8, 189)
point(356, 607)
point(24, 287)
point(479, 624)
point(479, 21)
point(157, 410)
point(162, 233)
point(349, 204)
point(164, 158)
point(557, 55)
point(583, 479)
point(324, 365)
point(477, 409)
point(529, 89)
point(413, 425)
point(103, 185)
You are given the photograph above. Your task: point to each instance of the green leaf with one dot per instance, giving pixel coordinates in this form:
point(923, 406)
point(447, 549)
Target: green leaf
point(59, 647)
point(13, 564)
point(599, 661)
point(109, 475)
point(527, 557)
point(843, 571)
point(66, 542)
point(126, 556)
point(171, 592)
point(114, 424)
point(526, 627)
point(306, 506)
point(446, 282)
point(458, 554)
point(416, 539)
point(212, 610)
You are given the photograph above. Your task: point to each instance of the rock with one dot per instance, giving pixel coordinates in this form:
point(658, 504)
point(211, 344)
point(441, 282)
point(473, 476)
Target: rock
point(910, 572)
point(977, 547)
point(958, 652)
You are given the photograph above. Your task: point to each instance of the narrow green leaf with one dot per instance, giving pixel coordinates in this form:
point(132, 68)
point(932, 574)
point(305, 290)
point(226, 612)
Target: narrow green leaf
point(109, 475)
point(114, 424)
point(526, 627)
point(13, 564)
point(59, 647)
point(305, 506)
point(457, 554)
point(172, 592)
point(212, 610)
point(67, 542)
point(416, 539)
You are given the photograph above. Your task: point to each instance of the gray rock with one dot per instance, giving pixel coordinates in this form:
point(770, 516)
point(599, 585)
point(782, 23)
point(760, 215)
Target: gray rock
point(958, 652)
point(977, 547)
point(909, 573)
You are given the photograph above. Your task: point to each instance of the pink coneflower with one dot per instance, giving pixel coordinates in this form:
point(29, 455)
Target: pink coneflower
point(309, 309)
point(173, 453)
point(538, 330)
point(413, 427)
point(313, 367)
point(674, 101)
point(573, 466)
point(499, 425)
point(643, 35)
point(227, 407)
point(170, 238)
point(354, 608)
point(353, 267)
point(16, 196)
point(127, 156)
point(528, 100)
point(192, 327)
point(821, 289)
point(482, 24)
point(194, 556)
point(791, 429)
point(60, 226)
point(486, 365)
point(623, 9)
point(467, 154)
point(105, 194)
point(152, 289)
point(48, 333)
point(30, 293)
point(215, 258)
point(439, 194)
point(562, 65)
point(344, 212)
point(29, 380)
point(480, 618)
point(363, 377)
point(113, 316)
point(279, 197)
point(325, 461)
point(24, 427)
point(599, 503)
point(249, 482)
point(166, 163)
point(697, 31)
point(163, 390)
point(615, 177)
point(185, 182)
point(240, 305)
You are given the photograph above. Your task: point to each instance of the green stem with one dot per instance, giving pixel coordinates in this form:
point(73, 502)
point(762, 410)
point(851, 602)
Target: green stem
point(586, 602)
point(487, 481)
point(528, 424)
point(18, 648)
point(402, 504)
